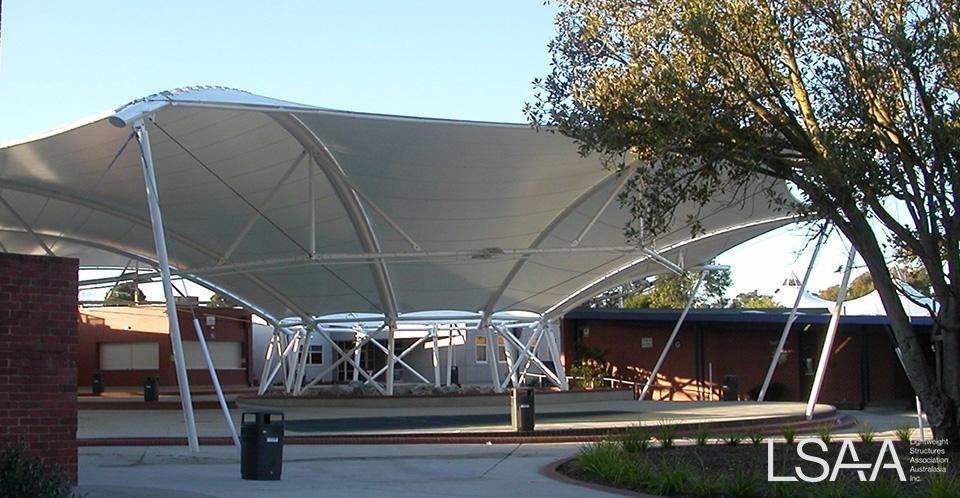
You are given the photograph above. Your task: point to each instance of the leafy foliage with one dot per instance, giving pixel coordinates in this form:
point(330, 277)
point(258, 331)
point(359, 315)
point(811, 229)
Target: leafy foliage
point(218, 300)
point(674, 291)
point(857, 104)
point(754, 300)
point(23, 476)
point(123, 293)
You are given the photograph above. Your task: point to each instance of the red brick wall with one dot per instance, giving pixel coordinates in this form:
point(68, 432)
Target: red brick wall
point(745, 350)
point(231, 325)
point(38, 365)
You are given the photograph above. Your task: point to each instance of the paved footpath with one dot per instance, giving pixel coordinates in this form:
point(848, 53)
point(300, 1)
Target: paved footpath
point(367, 471)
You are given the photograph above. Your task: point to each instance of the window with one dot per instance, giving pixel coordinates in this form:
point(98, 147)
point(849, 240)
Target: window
point(315, 357)
point(129, 356)
point(481, 346)
point(224, 354)
point(481, 349)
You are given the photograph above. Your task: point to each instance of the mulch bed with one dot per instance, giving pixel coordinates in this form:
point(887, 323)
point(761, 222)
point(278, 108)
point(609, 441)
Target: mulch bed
point(716, 461)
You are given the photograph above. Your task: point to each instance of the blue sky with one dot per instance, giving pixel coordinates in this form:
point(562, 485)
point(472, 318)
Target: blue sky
point(62, 61)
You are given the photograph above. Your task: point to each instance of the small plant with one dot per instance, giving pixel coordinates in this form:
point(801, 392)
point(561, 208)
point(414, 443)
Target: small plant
point(789, 434)
point(635, 440)
point(733, 439)
point(670, 480)
point(866, 433)
point(756, 437)
point(943, 485)
point(666, 433)
point(702, 435)
point(903, 433)
point(824, 432)
point(881, 488)
point(23, 475)
point(606, 461)
point(741, 483)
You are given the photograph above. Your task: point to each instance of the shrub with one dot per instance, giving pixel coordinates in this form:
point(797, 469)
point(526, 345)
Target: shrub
point(943, 485)
point(605, 460)
point(670, 480)
point(866, 433)
point(824, 433)
point(666, 433)
point(733, 439)
point(903, 433)
point(635, 440)
point(24, 476)
point(702, 435)
point(756, 437)
point(741, 483)
point(881, 488)
point(789, 434)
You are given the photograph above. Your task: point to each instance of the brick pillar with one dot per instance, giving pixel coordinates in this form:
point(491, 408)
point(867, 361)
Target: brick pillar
point(38, 362)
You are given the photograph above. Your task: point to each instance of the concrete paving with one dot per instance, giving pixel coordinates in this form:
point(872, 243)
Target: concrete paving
point(331, 471)
point(387, 470)
point(169, 423)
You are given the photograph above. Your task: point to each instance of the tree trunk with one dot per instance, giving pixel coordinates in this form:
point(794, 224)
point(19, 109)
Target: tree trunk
point(940, 407)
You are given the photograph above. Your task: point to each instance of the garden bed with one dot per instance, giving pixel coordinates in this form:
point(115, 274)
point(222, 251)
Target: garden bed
point(720, 468)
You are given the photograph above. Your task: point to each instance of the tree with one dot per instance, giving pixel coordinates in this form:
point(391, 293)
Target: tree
point(674, 291)
point(218, 300)
point(754, 300)
point(854, 103)
point(858, 287)
point(122, 293)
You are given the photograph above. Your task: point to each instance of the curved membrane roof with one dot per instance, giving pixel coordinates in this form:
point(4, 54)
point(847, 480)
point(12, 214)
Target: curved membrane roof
point(304, 211)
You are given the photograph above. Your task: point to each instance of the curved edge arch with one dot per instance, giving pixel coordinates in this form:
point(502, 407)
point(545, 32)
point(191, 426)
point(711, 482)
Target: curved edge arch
point(626, 272)
point(335, 174)
point(112, 249)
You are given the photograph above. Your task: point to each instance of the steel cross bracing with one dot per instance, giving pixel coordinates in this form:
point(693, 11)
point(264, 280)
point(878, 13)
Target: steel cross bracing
point(285, 357)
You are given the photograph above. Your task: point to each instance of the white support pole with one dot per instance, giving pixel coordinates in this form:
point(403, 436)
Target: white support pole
point(399, 358)
point(302, 367)
point(485, 328)
point(793, 316)
point(153, 202)
point(313, 210)
point(357, 352)
point(293, 360)
point(391, 356)
point(216, 383)
point(554, 348)
point(268, 358)
point(626, 174)
point(508, 350)
point(831, 335)
point(436, 356)
point(673, 337)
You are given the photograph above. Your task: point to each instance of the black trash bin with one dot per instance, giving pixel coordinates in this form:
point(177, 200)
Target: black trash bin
point(97, 384)
point(730, 388)
point(455, 376)
point(522, 409)
point(151, 389)
point(261, 443)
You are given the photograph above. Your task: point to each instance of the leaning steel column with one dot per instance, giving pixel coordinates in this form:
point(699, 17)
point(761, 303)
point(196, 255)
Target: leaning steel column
point(673, 337)
point(391, 355)
point(831, 335)
point(793, 316)
point(153, 201)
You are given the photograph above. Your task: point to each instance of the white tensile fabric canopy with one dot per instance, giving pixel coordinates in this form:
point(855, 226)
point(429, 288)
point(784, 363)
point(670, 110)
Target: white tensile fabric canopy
point(303, 211)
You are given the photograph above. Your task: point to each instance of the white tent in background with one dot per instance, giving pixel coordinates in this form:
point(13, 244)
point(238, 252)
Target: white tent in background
point(870, 304)
point(786, 296)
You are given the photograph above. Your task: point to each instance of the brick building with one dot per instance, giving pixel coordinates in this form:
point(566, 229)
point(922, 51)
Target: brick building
point(38, 357)
point(863, 366)
point(128, 343)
